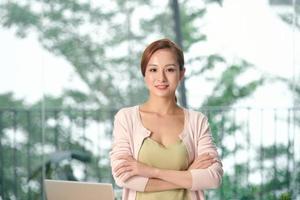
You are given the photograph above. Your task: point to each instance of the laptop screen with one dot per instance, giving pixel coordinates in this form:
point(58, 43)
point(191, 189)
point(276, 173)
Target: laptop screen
point(73, 190)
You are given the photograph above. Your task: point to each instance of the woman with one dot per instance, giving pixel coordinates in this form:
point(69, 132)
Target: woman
point(161, 150)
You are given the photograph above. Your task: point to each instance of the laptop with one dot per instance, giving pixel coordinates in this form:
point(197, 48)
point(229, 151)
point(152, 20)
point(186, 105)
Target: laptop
point(72, 190)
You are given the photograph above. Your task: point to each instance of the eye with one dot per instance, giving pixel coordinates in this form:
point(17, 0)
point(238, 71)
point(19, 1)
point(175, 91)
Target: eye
point(152, 70)
point(171, 70)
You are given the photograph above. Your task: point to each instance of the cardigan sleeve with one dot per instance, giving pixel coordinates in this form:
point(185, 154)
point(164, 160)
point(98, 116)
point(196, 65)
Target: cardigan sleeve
point(121, 146)
point(211, 177)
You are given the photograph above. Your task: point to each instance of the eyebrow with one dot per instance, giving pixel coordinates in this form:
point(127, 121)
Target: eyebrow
point(167, 65)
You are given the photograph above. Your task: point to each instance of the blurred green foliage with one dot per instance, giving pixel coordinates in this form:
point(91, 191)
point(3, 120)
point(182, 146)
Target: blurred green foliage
point(104, 48)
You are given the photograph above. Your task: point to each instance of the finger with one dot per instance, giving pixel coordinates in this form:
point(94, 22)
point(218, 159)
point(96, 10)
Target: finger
point(122, 170)
point(210, 154)
point(196, 163)
point(126, 176)
point(123, 164)
point(207, 164)
point(210, 164)
point(204, 164)
point(204, 158)
point(203, 155)
point(124, 157)
point(211, 160)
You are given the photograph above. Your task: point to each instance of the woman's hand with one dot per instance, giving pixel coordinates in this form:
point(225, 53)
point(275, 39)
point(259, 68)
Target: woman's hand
point(203, 161)
point(130, 167)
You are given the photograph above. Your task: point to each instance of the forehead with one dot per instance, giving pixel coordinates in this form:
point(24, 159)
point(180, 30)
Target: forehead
point(162, 56)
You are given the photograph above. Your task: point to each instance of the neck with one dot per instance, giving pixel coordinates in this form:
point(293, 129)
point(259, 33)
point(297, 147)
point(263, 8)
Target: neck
point(161, 105)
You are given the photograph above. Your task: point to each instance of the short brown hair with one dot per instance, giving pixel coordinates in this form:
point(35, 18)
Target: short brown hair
point(161, 44)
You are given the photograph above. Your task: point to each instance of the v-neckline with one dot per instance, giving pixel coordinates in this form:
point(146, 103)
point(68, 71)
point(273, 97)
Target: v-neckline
point(180, 135)
point(178, 141)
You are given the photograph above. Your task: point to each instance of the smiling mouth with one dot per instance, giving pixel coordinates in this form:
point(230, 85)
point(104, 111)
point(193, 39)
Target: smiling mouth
point(162, 86)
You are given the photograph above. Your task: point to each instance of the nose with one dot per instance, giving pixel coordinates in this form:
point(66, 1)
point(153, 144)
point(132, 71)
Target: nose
point(162, 76)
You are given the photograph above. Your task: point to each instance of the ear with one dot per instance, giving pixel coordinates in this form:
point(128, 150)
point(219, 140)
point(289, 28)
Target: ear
point(182, 72)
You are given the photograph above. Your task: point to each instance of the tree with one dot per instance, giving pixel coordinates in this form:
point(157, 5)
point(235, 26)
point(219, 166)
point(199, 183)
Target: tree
point(103, 46)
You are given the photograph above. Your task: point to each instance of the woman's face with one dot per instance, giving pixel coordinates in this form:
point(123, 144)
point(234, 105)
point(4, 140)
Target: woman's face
point(163, 74)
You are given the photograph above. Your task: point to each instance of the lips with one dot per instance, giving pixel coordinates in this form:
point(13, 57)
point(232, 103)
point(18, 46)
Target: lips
point(161, 87)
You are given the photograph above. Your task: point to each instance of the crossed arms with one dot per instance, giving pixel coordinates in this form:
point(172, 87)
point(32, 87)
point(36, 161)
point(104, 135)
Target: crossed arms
point(160, 179)
point(205, 172)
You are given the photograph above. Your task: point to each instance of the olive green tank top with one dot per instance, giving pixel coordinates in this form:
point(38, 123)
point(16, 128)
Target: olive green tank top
point(174, 157)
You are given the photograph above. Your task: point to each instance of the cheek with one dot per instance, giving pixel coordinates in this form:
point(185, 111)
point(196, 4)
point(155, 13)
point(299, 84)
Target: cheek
point(149, 80)
point(174, 78)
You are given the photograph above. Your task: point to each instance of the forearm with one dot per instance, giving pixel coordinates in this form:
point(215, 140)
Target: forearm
point(156, 185)
point(183, 179)
point(130, 167)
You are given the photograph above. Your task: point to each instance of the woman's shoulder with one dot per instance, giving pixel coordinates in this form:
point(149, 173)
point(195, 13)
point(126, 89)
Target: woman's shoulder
point(196, 118)
point(126, 112)
point(195, 114)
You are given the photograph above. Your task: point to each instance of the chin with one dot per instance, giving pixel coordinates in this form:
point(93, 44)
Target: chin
point(161, 95)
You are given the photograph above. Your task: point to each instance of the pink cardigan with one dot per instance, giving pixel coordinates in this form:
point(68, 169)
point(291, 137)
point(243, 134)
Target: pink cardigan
point(129, 134)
